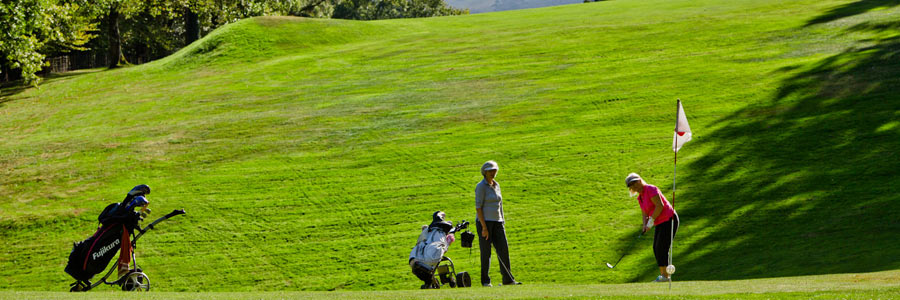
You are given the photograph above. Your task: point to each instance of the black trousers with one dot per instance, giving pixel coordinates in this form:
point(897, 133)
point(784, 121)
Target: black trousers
point(497, 238)
point(662, 239)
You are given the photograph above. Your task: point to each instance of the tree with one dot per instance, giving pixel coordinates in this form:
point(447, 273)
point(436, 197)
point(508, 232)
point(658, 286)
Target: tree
point(32, 28)
point(115, 11)
point(114, 36)
point(191, 26)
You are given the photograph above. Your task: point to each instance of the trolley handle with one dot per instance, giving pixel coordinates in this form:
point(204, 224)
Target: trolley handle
point(163, 218)
point(461, 226)
point(172, 214)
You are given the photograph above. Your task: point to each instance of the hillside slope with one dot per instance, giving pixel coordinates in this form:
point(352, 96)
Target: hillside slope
point(308, 152)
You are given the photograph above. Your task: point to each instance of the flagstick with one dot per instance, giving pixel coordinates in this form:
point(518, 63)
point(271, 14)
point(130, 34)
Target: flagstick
point(672, 203)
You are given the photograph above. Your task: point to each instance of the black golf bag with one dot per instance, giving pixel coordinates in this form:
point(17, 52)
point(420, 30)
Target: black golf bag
point(91, 256)
point(118, 223)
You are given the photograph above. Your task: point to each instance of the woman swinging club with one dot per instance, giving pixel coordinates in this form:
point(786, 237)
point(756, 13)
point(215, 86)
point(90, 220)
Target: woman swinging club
point(656, 211)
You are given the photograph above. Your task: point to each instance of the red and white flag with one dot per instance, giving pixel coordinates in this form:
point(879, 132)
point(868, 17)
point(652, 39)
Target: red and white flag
point(682, 129)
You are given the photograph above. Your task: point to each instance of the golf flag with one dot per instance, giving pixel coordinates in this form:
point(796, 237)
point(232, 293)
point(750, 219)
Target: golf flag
point(682, 135)
point(682, 129)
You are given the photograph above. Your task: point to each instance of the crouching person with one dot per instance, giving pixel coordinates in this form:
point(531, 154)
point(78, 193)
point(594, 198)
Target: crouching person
point(430, 247)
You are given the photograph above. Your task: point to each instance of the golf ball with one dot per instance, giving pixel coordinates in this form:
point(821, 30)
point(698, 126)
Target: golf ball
point(670, 269)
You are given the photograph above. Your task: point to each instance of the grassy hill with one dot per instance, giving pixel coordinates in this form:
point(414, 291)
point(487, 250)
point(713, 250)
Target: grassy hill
point(308, 152)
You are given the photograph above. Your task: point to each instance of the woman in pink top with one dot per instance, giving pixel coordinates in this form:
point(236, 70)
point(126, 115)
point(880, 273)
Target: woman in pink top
point(656, 211)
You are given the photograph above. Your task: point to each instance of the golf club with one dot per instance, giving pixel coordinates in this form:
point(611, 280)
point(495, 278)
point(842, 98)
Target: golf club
point(611, 266)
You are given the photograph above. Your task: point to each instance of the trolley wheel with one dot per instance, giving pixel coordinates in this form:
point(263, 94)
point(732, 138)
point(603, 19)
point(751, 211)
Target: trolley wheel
point(435, 284)
point(79, 286)
point(463, 279)
point(136, 281)
point(450, 279)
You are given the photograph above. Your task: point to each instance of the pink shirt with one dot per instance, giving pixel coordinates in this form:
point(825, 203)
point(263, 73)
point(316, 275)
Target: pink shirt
point(648, 207)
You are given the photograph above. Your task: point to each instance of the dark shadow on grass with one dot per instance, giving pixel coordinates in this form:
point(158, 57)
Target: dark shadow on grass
point(9, 90)
point(852, 9)
point(819, 172)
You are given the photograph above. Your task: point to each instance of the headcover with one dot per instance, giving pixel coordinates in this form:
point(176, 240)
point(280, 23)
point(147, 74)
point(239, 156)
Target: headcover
point(137, 201)
point(438, 220)
point(438, 216)
point(139, 190)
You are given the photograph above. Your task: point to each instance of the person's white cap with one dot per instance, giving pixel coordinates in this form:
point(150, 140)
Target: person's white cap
point(631, 178)
point(489, 165)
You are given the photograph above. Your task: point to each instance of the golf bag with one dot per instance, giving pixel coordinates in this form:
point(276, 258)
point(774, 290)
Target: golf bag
point(427, 258)
point(91, 256)
point(430, 247)
point(432, 242)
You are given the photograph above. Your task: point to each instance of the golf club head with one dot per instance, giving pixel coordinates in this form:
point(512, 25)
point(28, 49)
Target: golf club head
point(609, 265)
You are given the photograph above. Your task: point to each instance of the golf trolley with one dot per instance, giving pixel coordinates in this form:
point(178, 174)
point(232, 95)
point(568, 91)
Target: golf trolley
point(445, 272)
point(135, 279)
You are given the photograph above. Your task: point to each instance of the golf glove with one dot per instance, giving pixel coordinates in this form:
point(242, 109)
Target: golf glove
point(649, 222)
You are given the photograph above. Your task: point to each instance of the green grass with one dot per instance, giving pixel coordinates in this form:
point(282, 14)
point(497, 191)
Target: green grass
point(308, 152)
point(881, 285)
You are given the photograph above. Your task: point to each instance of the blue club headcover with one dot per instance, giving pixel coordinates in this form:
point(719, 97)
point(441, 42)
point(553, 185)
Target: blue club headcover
point(137, 202)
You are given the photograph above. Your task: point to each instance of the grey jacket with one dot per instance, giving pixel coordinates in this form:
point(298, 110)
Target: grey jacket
point(490, 200)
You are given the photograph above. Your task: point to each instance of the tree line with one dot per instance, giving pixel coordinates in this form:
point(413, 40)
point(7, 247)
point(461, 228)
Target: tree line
point(112, 33)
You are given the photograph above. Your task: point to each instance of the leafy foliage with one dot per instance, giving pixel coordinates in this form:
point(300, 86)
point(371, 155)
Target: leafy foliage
point(32, 28)
point(147, 30)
